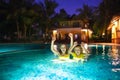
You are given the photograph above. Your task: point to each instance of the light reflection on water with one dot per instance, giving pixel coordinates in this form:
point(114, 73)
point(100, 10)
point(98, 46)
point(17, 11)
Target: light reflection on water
point(103, 64)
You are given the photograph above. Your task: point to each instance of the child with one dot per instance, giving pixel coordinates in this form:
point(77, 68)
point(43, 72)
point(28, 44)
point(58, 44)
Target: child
point(76, 52)
point(62, 54)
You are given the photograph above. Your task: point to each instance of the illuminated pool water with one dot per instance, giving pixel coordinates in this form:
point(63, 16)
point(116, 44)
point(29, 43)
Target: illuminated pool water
point(37, 64)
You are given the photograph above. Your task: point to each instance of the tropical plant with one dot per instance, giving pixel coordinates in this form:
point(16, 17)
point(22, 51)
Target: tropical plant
point(48, 11)
point(105, 11)
point(85, 13)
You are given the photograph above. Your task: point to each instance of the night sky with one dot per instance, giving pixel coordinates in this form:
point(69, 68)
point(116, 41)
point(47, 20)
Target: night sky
point(70, 6)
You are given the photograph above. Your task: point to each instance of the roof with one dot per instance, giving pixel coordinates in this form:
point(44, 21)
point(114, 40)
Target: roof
point(73, 30)
point(115, 18)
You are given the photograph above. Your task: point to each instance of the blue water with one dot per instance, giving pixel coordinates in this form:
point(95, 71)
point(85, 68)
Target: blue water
point(37, 64)
point(20, 47)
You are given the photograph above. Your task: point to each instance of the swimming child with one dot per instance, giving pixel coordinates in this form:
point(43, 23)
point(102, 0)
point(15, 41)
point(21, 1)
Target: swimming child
point(63, 52)
point(76, 52)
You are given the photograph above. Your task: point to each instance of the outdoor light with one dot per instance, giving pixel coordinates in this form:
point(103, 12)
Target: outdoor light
point(115, 23)
point(76, 36)
point(103, 33)
point(54, 32)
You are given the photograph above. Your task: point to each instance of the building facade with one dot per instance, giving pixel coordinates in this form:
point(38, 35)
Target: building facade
point(115, 29)
point(80, 31)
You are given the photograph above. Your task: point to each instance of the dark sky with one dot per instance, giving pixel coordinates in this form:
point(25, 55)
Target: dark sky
point(70, 6)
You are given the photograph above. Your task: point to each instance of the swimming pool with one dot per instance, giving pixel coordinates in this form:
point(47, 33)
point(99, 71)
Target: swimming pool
point(37, 64)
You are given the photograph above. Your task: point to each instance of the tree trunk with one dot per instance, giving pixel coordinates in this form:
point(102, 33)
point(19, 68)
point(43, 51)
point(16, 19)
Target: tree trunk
point(18, 31)
point(25, 31)
point(29, 33)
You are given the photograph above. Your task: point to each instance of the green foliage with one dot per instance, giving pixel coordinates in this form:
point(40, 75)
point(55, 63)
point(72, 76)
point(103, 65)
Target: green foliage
point(23, 14)
point(105, 11)
point(85, 12)
point(20, 15)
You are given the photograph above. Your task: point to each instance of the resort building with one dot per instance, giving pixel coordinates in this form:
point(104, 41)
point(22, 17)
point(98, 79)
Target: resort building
point(77, 27)
point(115, 29)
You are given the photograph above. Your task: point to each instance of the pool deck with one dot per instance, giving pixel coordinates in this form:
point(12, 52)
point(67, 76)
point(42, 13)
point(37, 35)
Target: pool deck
point(113, 44)
point(38, 42)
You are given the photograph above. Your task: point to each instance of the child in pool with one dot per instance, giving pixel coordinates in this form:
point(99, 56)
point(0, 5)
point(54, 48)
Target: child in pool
point(76, 52)
point(62, 54)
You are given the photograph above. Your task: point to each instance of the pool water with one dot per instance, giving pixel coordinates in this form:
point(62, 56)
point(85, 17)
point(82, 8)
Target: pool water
point(37, 64)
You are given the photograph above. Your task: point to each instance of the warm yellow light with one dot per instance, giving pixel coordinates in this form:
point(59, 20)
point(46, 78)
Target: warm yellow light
point(87, 31)
point(54, 32)
point(115, 24)
point(84, 30)
point(103, 33)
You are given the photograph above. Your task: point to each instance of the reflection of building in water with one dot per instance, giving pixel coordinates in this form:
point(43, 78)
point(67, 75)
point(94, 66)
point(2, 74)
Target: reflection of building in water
point(115, 58)
point(115, 29)
point(74, 26)
point(114, 54)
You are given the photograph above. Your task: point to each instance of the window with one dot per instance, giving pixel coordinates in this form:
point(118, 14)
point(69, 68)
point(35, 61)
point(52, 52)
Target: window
point(76, 24)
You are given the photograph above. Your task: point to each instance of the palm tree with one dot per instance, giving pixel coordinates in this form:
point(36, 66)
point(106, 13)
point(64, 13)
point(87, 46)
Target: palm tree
point(10, 13)
point(23, 14)
point(48, 11)
point(61, 16)
point(105, 11)
point(85, 13)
